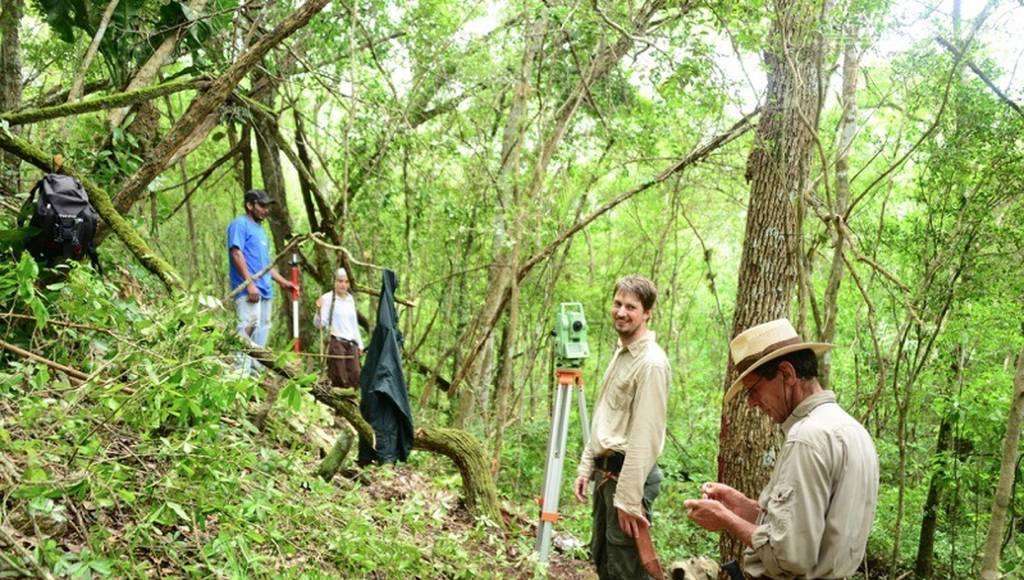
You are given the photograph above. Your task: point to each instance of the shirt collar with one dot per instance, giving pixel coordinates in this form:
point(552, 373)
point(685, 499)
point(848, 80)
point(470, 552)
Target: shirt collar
point(638, 345)
point(806, 406)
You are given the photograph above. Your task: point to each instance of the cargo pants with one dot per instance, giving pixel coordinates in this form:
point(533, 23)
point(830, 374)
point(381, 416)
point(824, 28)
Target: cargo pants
point(611, 550)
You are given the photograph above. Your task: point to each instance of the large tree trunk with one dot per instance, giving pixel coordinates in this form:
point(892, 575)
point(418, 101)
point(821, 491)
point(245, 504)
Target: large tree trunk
point(1001, 501)
point(777, 169)
point(265, 127)
point(10, 84)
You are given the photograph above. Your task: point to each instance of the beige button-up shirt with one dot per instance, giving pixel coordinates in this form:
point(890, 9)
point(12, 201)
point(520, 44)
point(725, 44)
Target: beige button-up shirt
point(818, 507)
point(630, 417)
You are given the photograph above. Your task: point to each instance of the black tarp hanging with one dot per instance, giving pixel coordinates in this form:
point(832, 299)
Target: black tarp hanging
point(384, 395)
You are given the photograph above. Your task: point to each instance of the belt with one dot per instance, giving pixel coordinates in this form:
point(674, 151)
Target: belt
point(611, 463)
point(339, 339)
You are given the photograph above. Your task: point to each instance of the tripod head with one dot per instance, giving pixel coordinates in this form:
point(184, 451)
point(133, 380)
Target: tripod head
point(570, 336)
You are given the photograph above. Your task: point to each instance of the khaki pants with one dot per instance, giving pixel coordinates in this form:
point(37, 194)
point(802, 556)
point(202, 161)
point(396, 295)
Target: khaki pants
point(343, 371)
point(612, 551)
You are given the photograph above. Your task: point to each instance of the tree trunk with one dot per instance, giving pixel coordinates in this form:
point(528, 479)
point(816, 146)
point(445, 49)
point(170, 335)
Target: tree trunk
point(847, 131)
point(1001, 501)
point(937, 484)
point(605, 58)
point(149, 70)
point(10, 84)
point(194, 123)
point(503, 268)
point(777, 169)
point(79, 81)
point(265, 127)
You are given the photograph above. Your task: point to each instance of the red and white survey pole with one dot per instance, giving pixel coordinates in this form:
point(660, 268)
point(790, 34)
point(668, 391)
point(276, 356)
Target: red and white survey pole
point(295, 300)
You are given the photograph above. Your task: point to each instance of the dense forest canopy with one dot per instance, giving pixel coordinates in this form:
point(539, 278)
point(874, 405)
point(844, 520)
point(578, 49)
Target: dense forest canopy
point(856, 166)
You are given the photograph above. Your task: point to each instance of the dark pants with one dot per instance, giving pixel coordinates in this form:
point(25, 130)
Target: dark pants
point(612, 551)
point(343, 367)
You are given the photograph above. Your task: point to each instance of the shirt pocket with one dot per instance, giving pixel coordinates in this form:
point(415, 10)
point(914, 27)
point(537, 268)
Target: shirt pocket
point(779, 510)
point(620, 393)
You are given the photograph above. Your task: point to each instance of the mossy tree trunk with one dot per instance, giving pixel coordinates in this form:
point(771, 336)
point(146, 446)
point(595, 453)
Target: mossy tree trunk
point(10, 82)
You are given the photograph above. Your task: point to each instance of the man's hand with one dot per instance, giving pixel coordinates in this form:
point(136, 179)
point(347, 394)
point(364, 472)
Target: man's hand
point(286, 284)
point(579, 487)
point(631, 525)
point(709, 514)
point(253, 293)
point(732, 499)
point(320, 302)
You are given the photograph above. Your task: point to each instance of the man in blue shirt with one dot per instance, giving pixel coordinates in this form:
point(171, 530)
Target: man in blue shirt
point(248, 256)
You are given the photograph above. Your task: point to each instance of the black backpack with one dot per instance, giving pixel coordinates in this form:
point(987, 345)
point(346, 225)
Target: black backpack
point(65, 220)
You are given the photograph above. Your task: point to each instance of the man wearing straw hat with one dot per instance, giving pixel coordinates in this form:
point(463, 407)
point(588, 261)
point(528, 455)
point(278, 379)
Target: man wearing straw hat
point(336, 311)
point(812, 519)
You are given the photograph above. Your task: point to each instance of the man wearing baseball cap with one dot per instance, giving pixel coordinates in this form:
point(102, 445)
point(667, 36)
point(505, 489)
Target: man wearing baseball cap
point(813, 518)
point(248, 257)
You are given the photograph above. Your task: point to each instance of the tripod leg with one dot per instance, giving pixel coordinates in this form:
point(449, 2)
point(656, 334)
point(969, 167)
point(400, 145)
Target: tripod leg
point(553, 471)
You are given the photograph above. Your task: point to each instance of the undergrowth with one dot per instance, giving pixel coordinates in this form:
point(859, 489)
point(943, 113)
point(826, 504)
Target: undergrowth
point(155, 466)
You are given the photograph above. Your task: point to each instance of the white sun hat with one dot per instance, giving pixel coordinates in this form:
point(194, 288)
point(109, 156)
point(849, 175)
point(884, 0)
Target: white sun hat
point(762, 343)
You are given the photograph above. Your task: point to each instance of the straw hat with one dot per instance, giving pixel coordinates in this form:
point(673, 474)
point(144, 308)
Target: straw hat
point(762, 343)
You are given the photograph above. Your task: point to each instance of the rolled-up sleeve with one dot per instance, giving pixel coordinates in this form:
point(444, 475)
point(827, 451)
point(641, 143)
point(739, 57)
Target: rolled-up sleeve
point(645, 437)
point(236, 235)
point(586, 466)
point(786, 542)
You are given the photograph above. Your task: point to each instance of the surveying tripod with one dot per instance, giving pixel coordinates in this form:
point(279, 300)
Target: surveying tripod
point(569, 380)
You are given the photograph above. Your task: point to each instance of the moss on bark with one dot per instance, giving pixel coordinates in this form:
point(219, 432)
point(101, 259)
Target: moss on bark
point(100, 103)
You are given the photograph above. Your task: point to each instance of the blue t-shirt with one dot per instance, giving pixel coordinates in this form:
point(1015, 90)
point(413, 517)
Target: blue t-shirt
point(248, 236)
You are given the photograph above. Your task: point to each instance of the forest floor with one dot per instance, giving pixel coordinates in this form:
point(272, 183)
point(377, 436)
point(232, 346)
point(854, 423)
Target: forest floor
point(408, 483)
point(234, 501)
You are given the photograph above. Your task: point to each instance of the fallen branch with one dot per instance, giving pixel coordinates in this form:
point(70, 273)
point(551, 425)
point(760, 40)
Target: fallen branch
point(76, 376)
point(24, 554)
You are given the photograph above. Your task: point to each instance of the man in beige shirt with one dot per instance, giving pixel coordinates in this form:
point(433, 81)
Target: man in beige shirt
point(813, 518)
point(627, 435)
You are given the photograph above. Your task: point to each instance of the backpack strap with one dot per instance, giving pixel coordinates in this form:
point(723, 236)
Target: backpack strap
point(94, 257)
point(31, 194)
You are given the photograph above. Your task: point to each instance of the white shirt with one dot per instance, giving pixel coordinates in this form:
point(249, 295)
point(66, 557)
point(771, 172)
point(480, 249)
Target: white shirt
point(817, 510)
point(344, 323)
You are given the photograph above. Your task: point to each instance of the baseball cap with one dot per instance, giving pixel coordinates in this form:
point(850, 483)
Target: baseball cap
point(259, 196)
